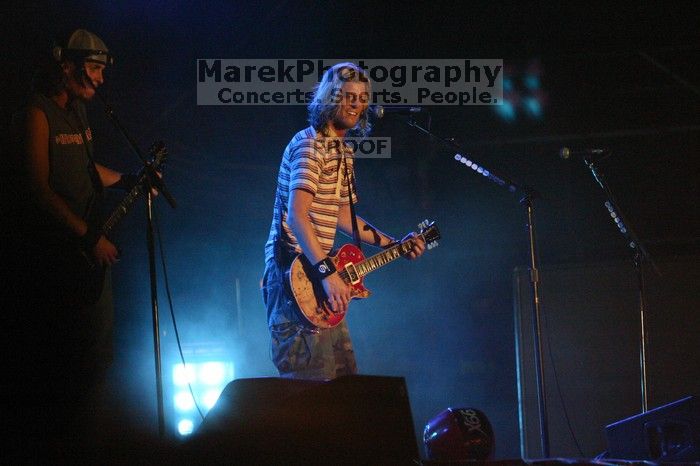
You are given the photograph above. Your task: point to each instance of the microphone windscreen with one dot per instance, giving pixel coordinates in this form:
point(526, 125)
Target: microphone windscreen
point(378, 111)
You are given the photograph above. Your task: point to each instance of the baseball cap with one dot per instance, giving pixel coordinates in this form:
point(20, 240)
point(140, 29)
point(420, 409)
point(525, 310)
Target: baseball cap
point(88, 46)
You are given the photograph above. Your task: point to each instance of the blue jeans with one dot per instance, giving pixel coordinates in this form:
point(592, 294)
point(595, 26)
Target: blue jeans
point(296, 350)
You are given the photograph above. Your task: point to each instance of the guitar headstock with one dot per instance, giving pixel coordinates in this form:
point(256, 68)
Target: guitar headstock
point(158, 153)
point(430, 233)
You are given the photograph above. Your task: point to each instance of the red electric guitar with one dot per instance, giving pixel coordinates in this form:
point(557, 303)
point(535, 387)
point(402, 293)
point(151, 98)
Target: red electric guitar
point(352, 267)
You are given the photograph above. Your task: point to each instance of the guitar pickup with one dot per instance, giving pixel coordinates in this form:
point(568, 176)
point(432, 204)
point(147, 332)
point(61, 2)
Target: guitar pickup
point(352, 273)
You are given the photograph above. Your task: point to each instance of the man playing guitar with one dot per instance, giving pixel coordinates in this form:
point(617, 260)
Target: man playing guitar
point(65, 347)
point(315, 188)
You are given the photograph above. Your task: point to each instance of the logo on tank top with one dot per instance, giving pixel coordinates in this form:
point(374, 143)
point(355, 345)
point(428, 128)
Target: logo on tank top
point(67, 139)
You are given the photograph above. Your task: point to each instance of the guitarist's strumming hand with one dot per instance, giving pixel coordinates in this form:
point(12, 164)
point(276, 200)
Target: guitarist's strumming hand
point(338, 292)
point(418, 247)
point(105, 252)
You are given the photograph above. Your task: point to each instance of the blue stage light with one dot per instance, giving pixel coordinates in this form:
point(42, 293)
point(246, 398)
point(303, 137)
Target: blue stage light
point(531, 82)
point(508, 85)
point(207, 379)
point(212, 373)
point(182, 375)
point(185, 427)
point(533, 107)
point(184, 401)
point(506, 110)
point(210, 397)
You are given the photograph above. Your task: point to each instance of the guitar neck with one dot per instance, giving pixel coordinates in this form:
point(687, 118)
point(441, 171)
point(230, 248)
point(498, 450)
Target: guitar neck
point(158, 153)
point(121, 210)
point(381, 259)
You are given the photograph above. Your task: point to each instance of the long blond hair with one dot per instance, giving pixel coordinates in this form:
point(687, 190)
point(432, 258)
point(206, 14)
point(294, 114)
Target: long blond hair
point(325, 106)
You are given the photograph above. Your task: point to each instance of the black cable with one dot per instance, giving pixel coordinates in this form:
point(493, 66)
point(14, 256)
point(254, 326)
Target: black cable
point(172, 312)
point(556, 383)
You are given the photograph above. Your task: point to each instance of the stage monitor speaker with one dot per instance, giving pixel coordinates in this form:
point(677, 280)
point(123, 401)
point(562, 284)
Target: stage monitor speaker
point(667, 433)
point(350, 420)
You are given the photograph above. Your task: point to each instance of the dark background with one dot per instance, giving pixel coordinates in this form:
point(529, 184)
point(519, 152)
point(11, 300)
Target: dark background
point(621, 78)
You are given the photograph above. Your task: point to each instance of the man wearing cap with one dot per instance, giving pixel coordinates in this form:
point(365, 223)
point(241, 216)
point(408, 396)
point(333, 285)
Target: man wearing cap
point(67, 347)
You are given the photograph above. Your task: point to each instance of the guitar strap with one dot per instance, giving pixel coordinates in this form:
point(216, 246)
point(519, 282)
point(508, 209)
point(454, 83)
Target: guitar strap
point(92, 214)
point(284, 257)
point(351, 190)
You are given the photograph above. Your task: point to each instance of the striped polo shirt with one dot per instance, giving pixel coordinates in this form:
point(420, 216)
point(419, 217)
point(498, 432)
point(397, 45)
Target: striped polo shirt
point(313, 163)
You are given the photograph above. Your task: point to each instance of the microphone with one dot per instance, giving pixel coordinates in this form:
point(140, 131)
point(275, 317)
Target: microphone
point(566, 152)
point(380, 111)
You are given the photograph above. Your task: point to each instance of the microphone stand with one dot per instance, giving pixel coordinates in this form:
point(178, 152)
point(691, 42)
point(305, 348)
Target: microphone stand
point(153, 181)
point(527, 195)
point(640, 257)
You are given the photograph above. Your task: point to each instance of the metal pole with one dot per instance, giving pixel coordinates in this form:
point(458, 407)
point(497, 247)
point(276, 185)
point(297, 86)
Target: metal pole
point(642, 336)
point(537, 329)
point(154, 309)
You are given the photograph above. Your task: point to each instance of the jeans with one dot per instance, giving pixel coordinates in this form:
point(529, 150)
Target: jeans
point(297, 350)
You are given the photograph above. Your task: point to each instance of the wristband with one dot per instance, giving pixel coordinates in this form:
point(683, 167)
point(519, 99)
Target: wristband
point(90, 238)
point(324, 268)
point(126, 182)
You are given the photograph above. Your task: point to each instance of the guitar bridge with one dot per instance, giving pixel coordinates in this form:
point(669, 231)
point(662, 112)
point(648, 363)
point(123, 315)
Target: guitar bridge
point(352, 273)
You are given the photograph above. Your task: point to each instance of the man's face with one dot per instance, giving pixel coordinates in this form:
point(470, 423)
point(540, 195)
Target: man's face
point(353, 100)
point(78, 83)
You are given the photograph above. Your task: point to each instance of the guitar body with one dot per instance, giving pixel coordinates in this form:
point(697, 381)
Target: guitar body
point(90, 279)
point(352, 266)
point(309, 294)
point(72, 279)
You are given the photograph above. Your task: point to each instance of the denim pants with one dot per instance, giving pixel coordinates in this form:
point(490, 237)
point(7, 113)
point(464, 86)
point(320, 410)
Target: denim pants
point(296, 350)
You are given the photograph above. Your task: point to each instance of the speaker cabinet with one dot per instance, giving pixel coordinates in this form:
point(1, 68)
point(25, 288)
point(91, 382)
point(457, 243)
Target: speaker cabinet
point(350, 420)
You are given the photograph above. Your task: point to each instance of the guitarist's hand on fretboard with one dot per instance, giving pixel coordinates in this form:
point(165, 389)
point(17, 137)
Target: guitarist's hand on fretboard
point(155, 191)
point(105, 252)
point(418, 245)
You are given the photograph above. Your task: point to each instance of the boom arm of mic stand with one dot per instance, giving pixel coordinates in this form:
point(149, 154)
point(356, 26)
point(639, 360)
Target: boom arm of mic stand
point(492, 175)
point(154, 180)
point(614, 208)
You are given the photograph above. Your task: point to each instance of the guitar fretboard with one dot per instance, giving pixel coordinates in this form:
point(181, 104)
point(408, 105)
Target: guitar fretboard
point(159, 153)
point(381, 259)
point(123, 206)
